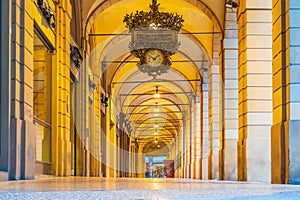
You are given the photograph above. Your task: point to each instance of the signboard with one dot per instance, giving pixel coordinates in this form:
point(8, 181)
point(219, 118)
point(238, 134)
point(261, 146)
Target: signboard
point(162, 39)
point(169, 168)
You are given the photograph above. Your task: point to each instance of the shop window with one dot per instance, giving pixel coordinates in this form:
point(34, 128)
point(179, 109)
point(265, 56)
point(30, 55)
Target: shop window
point(42, 100)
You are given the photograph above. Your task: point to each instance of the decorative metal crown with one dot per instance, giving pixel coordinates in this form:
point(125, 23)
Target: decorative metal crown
point(153, 19)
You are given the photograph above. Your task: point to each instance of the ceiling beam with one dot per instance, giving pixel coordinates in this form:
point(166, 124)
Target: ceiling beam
point(150, 94)
point(167, 121)
point(156, 81)
point(128, 34)
point(151, 105)
point(134, 61)
point(169, 129)
point(144, 113)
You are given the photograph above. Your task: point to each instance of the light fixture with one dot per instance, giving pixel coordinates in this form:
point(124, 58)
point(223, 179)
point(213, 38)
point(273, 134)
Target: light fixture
point(104, 100)
point(231, 4)
point(156, 95)
point(156, 132)
point(156, 110)
point(156, 126)
point(154, 38)
point(75, 55)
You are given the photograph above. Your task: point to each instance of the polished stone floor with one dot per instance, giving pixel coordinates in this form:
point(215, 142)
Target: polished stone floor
point(142, 189)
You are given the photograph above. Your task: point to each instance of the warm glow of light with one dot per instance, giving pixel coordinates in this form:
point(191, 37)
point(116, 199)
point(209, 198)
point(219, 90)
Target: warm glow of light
point(156, 133)
point(156, 141)
point(156, 95)
point(156, 110)
point(156, 126)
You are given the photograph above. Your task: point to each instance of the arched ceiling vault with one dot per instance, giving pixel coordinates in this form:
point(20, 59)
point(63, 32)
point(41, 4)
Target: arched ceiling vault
point(131, 90)
point(212, 9)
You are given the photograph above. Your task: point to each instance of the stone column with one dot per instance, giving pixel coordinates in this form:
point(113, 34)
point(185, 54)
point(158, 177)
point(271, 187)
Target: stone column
point(61, 155)
point(229, 99)
point(5, 49)
point(197, 135)
point(286, 87)
point(192, 138)
point(205, 134)
point(141, 162)
point(255, 90)
point(22, 134)
point(183, 139)
point(214, 113)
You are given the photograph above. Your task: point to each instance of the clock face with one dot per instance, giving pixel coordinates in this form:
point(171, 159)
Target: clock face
point(154, 57)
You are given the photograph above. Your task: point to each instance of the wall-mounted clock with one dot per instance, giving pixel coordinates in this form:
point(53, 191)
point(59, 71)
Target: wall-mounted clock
point(154, 57)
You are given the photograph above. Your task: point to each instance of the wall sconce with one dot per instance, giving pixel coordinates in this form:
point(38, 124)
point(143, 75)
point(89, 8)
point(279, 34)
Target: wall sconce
point(48, 12)
point(127, 126)
point(75, 55)
point(129, 129)
point(92, 84)
point(231, 4)
point(104, 100)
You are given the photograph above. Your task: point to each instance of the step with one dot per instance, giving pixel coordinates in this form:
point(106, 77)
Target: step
point(3, 176)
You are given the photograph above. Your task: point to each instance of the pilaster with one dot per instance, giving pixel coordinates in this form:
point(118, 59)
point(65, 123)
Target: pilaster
point(286, 87)
point(21, 139)
point(5, 56)
point(61, 79)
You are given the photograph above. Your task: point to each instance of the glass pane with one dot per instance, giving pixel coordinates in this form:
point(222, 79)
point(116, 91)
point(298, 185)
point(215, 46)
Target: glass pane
point(43, 143)
point(42, 100)
point(42, 82)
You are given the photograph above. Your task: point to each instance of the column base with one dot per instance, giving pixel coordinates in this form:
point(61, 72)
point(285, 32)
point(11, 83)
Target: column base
point(28, 172)
point(294, 147)
point(258, 160)
point(285, 152)
point(230, 165)
point(204, 168)
point(215, 165)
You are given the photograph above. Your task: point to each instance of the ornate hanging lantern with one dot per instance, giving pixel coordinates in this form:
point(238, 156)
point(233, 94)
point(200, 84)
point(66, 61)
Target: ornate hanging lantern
point(154, 38)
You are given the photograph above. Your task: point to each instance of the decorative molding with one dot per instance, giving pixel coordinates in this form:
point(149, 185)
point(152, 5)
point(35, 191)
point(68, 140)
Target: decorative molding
point(76, 56)
point(231, 4)
point(156, 31)
point(153, 19)
point(48, 12)
point(92, 84)
point(104, 100)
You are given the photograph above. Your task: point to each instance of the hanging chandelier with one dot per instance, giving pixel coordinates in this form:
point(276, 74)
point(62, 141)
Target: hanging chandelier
point(154, 38)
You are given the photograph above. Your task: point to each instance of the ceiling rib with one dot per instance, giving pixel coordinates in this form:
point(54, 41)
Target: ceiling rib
point(127, 34)
point(133, 61)
point(156, 81)
point(150, 94)
point(151, 105)
point(145, 113)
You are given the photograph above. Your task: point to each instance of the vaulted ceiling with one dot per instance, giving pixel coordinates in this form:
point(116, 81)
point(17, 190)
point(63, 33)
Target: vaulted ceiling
point(131, 90)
